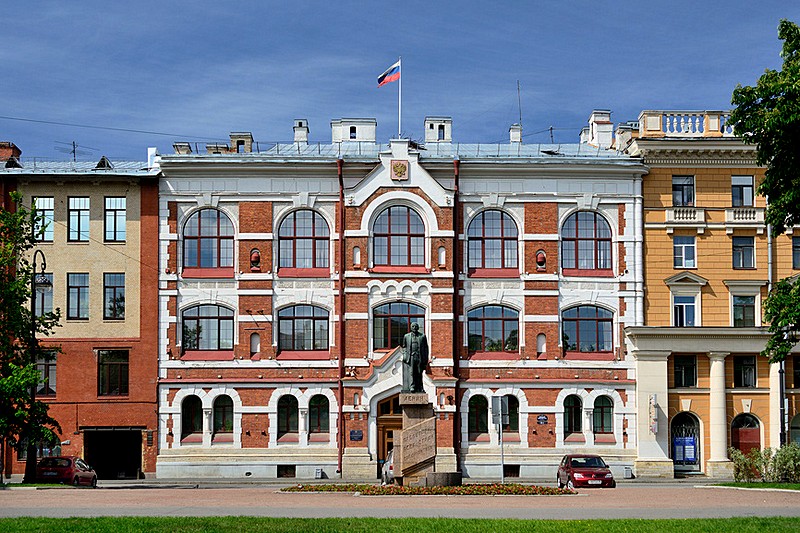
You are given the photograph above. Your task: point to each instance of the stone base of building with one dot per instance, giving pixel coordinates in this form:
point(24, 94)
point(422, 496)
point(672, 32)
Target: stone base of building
point(654, 468)
point(357, 464)
point(719, 469)
point(446, 460)
point(248, 463)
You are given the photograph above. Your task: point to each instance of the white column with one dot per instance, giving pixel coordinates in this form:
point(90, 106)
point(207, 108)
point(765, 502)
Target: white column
point(774, 405)
point(588, 426)
point(718, 419)
point(302, 426)
point(207, 426)
point(652, 441)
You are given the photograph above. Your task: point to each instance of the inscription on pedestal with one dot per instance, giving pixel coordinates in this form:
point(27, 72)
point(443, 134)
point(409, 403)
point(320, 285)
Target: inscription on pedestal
point(418, 444)
point(413, 398)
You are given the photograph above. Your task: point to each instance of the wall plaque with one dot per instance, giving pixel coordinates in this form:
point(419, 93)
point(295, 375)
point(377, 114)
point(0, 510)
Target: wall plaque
point(541, 420)
point(356, 435)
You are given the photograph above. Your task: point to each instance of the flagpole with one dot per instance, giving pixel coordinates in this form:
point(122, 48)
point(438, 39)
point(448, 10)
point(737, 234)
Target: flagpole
point(400, 99)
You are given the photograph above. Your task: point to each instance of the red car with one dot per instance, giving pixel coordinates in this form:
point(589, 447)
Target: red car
point(584, 471)
point(67, 469)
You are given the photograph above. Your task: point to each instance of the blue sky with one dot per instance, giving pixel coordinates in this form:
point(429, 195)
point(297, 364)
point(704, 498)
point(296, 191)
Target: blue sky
point(199, 70)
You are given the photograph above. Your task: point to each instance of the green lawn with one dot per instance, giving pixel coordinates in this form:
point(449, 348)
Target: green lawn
point(399, 525)
point(761, 485)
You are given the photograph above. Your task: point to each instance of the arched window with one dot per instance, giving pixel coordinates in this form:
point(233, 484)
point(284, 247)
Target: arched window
point(208, 240)
point(287, 416)
point(572, 415)
point(303, 241)
point(492, 237)
point(302, 328)
point(207, 327)
point(191, 416)
point(513, 414)
point(478, 415)
point(223, 414)
point(393, 320)
point(318, 414)
point(493, 328)
point(399, 238)
point(587, 328)
point(586, 242)
point(603, 415)
point(746, 433)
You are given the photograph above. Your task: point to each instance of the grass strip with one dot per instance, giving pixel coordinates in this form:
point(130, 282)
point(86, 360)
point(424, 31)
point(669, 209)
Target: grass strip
point(389, 525)
point(762, 485)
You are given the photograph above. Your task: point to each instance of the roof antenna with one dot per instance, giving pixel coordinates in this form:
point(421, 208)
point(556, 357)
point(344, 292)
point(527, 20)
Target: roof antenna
point(75, 149)
point(551, 135)
point(519, 104)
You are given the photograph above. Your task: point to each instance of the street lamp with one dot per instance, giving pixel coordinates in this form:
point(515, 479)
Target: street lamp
point(42, 283)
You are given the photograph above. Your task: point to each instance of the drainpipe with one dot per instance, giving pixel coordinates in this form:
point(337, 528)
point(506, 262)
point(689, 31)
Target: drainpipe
point(340, 283)
point(782, 364)
point(456, 311)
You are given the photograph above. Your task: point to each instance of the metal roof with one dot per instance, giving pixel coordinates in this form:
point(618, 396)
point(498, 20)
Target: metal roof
point(40, 166)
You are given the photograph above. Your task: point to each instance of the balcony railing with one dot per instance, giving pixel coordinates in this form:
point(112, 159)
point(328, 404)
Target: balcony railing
point(686, 215)
point(685, 124)
point(744, 216)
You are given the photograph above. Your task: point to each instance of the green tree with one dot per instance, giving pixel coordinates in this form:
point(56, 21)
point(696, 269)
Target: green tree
point(768, 116)
point(20, 417)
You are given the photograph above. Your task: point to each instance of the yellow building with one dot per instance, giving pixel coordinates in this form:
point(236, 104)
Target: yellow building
point(709, 264)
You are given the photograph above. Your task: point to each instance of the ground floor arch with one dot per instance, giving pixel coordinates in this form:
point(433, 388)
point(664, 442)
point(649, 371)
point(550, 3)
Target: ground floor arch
point(746, 433)
point(686, 442)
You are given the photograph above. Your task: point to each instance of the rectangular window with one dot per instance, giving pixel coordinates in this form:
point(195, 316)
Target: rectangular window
point(112, 372)
point(113, 296)
point(744, 371)
point(796, 371)
point(44, 296)
point(743, 252)
point(683, 252)
point(742, 191)
point(115, 219)
point(685, 371)
point(44, 224)
point(744, 311)
point(78, 219)
point(47, 374)
point(683, 311)
point(78, 296)
point(682, 191)
point(796, 252)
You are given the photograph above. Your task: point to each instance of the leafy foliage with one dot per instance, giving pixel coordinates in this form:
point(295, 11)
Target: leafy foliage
point(782, 311)
point(18, 351)
point(768, 115)
point(767, 465)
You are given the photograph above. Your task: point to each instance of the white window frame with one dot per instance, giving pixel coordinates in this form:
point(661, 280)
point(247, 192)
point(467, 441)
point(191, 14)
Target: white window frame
point(745, 288)
point(683, 247)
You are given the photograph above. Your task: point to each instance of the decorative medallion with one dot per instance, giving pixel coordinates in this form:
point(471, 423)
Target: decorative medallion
point(399, 170)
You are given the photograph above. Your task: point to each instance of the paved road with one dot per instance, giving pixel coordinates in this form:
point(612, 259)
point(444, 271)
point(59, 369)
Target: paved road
point(633, 501)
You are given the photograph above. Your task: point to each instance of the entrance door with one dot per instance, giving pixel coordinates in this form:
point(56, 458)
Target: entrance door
point(686, 443)
point(389, 422)
point(746, 433)
point(114, 454)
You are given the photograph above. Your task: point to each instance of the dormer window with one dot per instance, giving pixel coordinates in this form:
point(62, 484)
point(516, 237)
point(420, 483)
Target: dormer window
point(352, 132)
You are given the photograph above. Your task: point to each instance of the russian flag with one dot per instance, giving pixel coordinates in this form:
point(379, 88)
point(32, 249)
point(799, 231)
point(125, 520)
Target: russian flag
point(392, 74)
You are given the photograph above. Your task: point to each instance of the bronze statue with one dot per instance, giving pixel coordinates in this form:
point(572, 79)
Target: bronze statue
point(415, 359)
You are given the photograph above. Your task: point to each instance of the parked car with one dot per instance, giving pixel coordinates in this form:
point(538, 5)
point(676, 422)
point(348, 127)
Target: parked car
point(65, 469)
point(584, 471)
point(387, 470)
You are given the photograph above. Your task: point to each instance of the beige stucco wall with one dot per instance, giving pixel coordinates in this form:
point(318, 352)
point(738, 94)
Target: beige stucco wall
point(94, 257)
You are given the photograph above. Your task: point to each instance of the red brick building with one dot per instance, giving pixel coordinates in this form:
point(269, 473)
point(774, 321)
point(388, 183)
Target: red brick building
point(99, 241)
point(288, 276)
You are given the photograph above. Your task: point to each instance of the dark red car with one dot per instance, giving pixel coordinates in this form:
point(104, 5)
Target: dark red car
point(66, 469)
point(584, 471)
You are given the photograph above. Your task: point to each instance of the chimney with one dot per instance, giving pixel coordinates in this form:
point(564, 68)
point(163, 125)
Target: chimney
point(182, 148)
point(601, 129)
point(300, 131)
point(353, 130)
point(241, 142)
point(515, 133)
point(217, 148)
point(9, 150)
point(438, 129)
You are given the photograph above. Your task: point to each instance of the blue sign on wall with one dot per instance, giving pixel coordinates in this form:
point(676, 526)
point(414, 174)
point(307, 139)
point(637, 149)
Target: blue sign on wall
point(356, 435)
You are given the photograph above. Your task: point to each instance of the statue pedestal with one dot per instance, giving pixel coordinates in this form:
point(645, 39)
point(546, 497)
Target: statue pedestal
point(417, 446)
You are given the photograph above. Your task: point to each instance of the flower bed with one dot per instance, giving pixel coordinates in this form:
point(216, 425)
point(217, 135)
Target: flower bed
point(476, 489)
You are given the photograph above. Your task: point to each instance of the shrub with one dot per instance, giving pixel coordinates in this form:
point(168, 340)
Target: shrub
point(767, 465)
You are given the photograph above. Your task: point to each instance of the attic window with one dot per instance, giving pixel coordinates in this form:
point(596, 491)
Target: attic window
point(441, 132)
point(431, 126)
point(104, 164)
point(13, 162)
point(352, 132)
point(240, 146)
